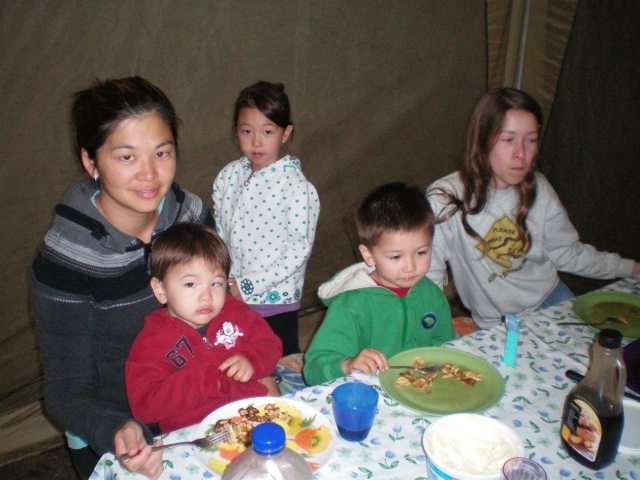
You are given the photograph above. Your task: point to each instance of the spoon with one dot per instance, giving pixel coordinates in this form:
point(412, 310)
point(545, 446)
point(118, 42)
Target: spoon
point(606, 320)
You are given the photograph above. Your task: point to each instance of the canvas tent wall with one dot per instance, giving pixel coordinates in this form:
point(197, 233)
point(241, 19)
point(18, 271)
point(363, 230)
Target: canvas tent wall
point(591, 144)
point(381, 91)
point(590, 94)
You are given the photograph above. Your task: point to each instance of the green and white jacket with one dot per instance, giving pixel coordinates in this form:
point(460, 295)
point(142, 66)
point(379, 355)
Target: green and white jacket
point(364, 315)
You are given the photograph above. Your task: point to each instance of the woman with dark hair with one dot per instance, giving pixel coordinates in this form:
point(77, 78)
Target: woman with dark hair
point(90, 277)
point(501, 226)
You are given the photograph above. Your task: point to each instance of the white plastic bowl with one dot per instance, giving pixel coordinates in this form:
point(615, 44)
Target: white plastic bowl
point(468, 446)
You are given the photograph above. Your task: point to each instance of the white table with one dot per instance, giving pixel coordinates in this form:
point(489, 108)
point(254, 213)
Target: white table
point(532, 405)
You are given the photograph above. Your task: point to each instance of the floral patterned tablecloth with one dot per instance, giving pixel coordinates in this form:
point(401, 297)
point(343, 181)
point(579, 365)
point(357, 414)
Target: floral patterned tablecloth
point(535, 390)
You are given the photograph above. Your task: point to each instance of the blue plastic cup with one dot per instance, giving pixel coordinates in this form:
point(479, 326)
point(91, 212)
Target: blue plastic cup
point(354, 408)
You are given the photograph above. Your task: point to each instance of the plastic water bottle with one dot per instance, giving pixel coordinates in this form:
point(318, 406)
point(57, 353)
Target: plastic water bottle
point(268, 458)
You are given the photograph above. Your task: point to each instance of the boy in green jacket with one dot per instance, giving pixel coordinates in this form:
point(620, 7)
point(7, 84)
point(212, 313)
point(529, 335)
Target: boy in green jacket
point(385, 305)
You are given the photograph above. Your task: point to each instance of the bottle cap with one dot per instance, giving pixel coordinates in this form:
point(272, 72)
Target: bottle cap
point(268, 438)
point(610, 338)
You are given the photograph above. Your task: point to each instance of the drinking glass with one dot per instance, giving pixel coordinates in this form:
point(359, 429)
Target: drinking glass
point(520, 467)
point(354, 408)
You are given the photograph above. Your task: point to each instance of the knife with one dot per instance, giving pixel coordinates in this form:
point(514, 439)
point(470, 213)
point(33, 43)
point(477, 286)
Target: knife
point(576, 377)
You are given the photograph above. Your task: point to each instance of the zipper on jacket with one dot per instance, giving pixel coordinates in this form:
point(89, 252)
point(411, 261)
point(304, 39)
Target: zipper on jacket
point(206, 343)
point(405, 316)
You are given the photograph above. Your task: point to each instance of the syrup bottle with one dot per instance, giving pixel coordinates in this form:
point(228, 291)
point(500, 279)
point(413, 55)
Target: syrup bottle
point(593, 417)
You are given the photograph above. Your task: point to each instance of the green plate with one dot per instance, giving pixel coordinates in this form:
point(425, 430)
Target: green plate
point(595, 307)
point(447, 395)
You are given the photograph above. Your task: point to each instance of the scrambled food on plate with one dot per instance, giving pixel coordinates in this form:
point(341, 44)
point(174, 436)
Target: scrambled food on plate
point(424, 381)
point(240, 427)
point(304, 435)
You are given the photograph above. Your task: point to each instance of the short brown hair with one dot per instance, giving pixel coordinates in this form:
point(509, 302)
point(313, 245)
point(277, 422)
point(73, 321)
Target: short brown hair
point(393, 207)
point(184, 242)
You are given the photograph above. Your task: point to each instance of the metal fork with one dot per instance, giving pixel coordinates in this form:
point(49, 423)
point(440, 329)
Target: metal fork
point(424, 370)
point(602, 322)
point(205, 442)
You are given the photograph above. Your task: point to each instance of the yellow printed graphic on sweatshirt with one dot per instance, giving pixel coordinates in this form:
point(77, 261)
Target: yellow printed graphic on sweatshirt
point(502, 243)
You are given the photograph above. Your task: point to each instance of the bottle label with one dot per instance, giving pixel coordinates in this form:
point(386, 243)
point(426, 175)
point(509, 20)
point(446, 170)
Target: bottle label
point(581, 428)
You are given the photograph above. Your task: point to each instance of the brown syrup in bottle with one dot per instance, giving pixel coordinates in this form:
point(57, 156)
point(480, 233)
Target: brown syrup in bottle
point(593, 418)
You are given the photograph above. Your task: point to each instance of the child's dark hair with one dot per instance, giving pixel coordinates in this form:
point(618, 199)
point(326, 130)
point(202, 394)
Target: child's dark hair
point(267, 97)
point(185, 242)
point(393, 207)
point(97, 110)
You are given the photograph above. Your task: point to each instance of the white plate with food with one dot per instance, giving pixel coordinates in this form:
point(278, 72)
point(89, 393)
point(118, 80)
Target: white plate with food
point(308, 431)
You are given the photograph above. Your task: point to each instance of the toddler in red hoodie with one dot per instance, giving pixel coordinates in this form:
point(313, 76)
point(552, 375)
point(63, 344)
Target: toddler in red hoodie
point(204, 349)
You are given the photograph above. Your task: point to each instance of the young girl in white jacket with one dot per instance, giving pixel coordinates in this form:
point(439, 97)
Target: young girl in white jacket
point(266, 211)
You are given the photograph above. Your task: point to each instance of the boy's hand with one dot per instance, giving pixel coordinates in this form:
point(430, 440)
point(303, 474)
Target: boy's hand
point(239, 368)
point(368, 361)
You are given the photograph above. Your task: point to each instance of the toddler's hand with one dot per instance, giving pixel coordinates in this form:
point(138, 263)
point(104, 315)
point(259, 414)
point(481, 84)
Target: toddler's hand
point(368, 361)
point(238, 368)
